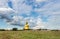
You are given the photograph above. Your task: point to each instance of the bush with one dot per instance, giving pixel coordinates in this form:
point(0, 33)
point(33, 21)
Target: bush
point(2, 29)
point(54, 30)
point(14, 29)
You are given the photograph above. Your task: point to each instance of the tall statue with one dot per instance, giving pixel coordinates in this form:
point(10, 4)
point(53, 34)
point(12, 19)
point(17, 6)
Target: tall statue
point(26, 27)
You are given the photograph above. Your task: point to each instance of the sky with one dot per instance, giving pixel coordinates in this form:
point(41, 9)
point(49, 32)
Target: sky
point(40, 14)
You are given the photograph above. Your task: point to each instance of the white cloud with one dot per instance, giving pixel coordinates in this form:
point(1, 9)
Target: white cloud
point(33, 22)
point(40, 0)
point(6, 10)
point(38, 24)
point(3, 3)
point(5, 13)
point(50, 8)
point(21, 7)
point(17, 20)
point(53, 22)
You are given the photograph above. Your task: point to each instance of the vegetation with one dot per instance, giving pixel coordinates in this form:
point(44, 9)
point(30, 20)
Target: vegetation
point(14, 29)
point(30, 34)
point(2, 29)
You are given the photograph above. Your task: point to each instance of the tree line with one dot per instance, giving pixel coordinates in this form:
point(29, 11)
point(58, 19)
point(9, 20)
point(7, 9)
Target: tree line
point(16, 29)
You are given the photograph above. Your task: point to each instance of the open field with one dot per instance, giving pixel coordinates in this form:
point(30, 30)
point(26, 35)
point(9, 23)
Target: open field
point(30, 34)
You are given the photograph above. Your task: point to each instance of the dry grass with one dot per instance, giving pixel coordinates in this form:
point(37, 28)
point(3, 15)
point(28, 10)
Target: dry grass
point(30, 34)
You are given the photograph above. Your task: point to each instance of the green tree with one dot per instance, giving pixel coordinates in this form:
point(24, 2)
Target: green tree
point(14, 29)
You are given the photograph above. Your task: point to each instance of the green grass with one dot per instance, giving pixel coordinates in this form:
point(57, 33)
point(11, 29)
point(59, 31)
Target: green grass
point(30, 34)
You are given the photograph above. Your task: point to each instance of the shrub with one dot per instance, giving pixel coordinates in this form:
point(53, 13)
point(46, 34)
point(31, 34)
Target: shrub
point(2, 29)
point(14, 29)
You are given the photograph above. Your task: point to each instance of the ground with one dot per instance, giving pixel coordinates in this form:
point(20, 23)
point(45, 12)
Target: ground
point(30, 34)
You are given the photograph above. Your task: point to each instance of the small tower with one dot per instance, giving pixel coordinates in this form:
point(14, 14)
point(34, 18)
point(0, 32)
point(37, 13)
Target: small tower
point(26, 27)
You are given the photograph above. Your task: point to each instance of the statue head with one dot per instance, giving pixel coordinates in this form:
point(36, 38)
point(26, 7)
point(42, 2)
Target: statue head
point(26, 22)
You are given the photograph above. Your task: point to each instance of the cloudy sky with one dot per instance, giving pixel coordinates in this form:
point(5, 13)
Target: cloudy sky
point(44, 14)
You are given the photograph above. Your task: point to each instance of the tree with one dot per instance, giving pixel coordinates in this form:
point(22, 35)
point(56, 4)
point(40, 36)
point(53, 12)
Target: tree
point(2, 29)
point(14, 29)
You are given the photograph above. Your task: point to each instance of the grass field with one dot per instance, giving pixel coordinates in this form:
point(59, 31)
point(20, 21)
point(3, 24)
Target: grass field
point(29, 34)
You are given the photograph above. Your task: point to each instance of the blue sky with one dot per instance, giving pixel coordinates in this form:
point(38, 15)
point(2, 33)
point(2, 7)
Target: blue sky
point(44, 14)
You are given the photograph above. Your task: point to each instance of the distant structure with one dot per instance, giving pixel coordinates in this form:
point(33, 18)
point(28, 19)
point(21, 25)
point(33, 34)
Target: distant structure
point(26, 27)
